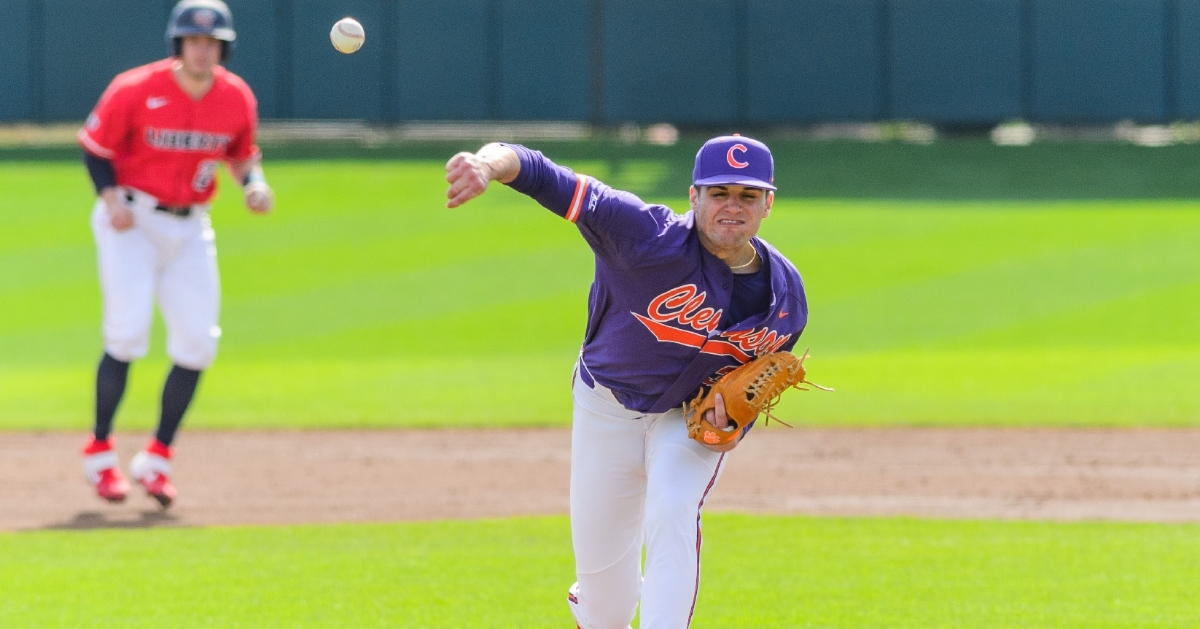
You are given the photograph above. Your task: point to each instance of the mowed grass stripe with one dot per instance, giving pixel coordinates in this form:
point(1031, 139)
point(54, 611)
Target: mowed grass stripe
point(979, 267)
point(759, 571)
point(370, 301)
point(362, 290)
point(955, 307)
point(1057, 386)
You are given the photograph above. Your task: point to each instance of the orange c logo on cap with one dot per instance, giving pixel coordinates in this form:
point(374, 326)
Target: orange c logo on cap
point(733, 160)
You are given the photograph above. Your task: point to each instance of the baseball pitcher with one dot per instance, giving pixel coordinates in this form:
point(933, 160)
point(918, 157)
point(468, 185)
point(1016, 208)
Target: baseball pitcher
point(677, 301)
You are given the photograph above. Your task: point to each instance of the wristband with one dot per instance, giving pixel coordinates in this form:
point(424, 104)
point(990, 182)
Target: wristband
point(253, 177)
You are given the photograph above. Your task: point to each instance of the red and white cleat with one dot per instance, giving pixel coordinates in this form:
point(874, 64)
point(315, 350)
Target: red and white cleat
point(151, 468)
point(100, 468)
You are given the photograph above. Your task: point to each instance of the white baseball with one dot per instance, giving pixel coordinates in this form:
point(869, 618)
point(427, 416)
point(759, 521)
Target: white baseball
point(347, 35)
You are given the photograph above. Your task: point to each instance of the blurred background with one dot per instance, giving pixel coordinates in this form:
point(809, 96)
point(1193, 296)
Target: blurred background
point(955, 64)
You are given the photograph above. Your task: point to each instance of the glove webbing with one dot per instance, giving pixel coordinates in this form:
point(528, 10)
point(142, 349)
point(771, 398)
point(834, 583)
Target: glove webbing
point(759, 387)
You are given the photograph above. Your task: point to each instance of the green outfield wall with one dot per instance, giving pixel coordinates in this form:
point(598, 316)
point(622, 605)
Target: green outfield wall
point(689, 62)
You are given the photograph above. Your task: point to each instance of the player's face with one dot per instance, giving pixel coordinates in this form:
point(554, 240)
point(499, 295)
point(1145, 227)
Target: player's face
point(729, 215)
point(199, 54)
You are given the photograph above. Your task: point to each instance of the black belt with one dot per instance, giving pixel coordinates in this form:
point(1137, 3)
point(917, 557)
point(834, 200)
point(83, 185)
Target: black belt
point(182, 211)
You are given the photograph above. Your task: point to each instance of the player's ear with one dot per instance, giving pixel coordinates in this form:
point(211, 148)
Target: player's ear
point(770, 201)
point(693, 196)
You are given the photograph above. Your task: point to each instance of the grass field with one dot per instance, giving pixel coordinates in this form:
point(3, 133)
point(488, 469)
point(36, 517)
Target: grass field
point(363, 302)
point(788, 572)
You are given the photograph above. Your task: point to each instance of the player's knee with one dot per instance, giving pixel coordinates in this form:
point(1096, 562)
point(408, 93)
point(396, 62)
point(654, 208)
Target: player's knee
point(196, 351)
point(608, 599)
point(608, 614)
point(197, 360)
point(126, 348)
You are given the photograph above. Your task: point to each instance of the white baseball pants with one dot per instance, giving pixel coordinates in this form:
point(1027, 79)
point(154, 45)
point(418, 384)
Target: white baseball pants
point(635, 479)
point(165, 257)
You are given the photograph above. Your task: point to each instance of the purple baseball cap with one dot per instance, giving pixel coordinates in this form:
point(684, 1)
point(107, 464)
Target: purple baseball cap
point(737, 160)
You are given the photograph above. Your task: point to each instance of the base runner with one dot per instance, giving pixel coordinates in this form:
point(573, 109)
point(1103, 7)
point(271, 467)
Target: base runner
point(677, 301)
point(152, 147)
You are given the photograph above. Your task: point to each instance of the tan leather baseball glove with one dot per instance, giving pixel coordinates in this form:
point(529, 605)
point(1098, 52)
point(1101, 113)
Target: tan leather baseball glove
point(749, 390)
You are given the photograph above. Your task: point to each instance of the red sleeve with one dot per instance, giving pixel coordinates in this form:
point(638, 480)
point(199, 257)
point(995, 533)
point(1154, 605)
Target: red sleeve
point(107, 127)
point(243, 147)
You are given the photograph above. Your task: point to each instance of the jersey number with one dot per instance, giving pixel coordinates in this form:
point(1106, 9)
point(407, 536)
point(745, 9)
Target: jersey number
point(205, 172)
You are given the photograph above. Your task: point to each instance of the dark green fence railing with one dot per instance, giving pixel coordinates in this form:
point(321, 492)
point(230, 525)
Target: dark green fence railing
point(689, 62)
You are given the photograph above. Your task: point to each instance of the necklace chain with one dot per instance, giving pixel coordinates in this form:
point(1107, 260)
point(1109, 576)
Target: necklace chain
point(753, 257)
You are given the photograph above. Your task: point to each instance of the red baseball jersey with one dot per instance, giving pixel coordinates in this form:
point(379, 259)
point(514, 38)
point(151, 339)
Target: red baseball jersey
point(165, 143)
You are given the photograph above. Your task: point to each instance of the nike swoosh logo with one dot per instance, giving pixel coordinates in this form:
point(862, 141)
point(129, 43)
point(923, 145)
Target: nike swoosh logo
point(154, 102)
point(782, 314)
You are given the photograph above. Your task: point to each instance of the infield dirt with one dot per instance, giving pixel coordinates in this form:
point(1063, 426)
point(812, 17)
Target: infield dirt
point(293, 477)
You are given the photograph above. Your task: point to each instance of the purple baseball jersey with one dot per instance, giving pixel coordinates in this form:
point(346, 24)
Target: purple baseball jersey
point(657, 327)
